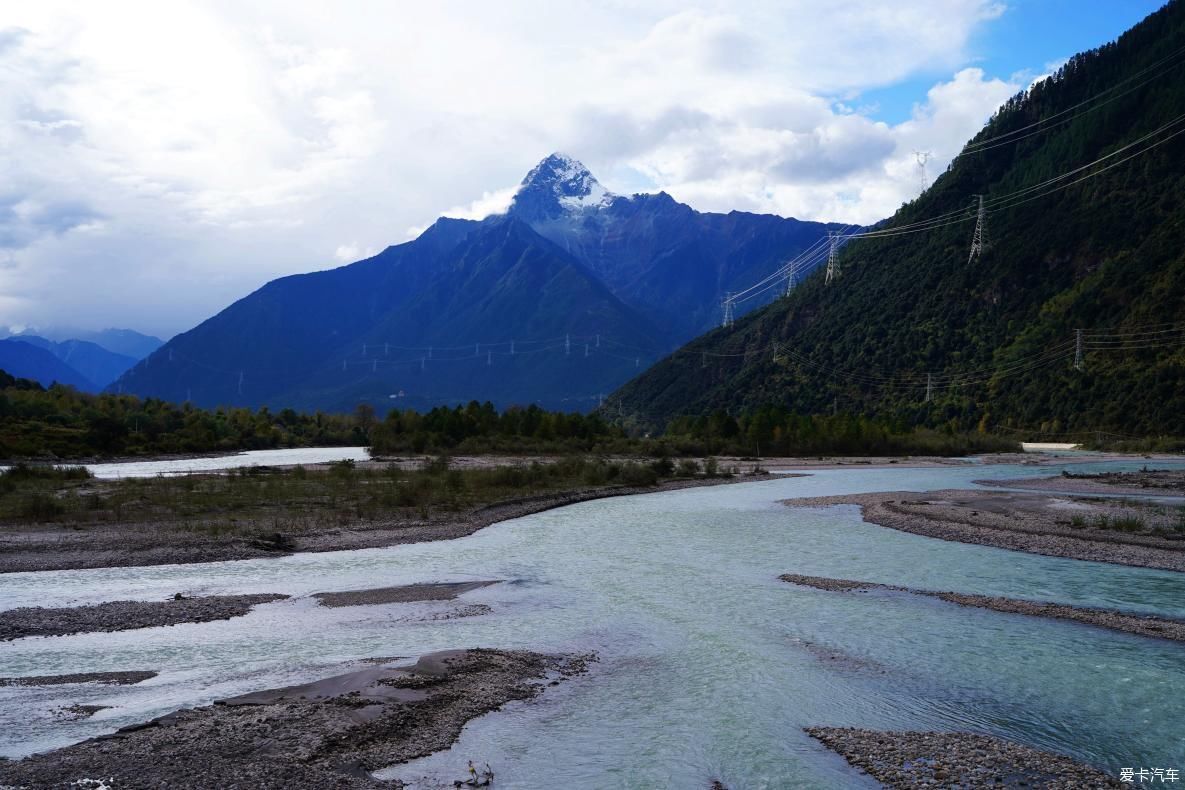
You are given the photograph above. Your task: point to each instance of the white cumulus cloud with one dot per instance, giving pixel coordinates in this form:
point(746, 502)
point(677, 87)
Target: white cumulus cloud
point(159, 160)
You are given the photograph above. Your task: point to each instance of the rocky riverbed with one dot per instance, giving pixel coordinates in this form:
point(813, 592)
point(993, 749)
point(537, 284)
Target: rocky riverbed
point(1054, 525)
point(956, 760)
point(125, 615)
point(1142, 625)
point(330, 733)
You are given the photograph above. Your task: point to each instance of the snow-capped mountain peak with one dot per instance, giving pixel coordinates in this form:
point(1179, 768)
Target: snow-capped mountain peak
point(559, 185)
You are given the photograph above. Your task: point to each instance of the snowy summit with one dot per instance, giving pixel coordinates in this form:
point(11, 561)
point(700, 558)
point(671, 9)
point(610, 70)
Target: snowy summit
point(556, 186)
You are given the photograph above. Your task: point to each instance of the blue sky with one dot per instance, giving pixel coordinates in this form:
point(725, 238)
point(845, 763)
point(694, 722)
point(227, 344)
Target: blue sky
point(1027, 37)
point(162, 160)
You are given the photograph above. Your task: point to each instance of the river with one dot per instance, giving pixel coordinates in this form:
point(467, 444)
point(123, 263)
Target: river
point(710, 666)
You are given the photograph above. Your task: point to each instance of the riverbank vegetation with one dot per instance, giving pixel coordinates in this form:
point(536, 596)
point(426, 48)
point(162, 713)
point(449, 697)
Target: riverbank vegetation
point(60, 423)
point(268, 500)
point(769, 431)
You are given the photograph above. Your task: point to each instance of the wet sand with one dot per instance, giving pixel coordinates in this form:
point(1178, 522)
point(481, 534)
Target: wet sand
point(1039, 524)
point(125, 615)
point(330, 733)
point(956, 760)
point(1141, 625)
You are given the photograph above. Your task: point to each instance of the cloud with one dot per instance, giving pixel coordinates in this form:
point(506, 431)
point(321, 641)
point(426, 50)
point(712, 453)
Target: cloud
point(162, 160)
point(496, 202)
point(348, 253)
point(25, 219)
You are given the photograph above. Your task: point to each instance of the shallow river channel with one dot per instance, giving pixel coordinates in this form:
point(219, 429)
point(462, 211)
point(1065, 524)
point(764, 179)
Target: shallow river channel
point(709, 665)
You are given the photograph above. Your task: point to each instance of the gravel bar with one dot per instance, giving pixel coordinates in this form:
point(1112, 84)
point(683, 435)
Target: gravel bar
point(110, 678)
point(125, 615)
point(331, 733)
point(1018, 522)
point(1141, 625)
point(956, 760)
point(441, 591)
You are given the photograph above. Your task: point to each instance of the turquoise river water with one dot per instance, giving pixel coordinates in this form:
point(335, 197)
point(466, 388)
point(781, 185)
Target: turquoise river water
point(709, 665)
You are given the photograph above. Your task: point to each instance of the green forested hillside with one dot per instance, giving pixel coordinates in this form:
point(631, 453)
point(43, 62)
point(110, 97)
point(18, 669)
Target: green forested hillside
point(1102, 249)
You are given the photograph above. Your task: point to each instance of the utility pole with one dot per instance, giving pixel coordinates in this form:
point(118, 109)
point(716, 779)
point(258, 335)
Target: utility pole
point(792, 278)
point(240, 382)
point(979, 240)
point(1079, 363)
point(929, 388)
point(727, 305)
point(832, 256)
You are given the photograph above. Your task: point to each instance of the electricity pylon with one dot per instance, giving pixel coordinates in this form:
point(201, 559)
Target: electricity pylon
point(979, 240)
point(832, 256)
point(922, 157)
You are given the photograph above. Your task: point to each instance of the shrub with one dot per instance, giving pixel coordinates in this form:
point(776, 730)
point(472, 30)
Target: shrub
point(1128, 523)
point(663, 467)
point(23, 471)
point(688, 467)
point(41, 507)
point(633, 474)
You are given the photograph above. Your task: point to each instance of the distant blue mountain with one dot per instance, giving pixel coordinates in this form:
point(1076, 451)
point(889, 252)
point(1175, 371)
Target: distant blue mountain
point(28, 361)
point(567, 295)
point(95, 363)
point(127, 342)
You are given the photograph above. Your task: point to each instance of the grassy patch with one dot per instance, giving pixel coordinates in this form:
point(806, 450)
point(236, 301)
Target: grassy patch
point(260, 500)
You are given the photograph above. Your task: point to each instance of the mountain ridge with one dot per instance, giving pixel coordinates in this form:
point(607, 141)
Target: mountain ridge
point(503, 284)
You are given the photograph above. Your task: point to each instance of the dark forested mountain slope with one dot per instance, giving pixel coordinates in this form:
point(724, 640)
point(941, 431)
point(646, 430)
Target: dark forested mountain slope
point(383, 331)
point(1104, 252)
